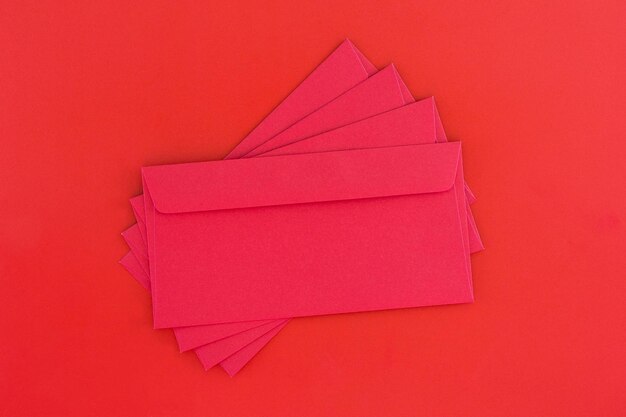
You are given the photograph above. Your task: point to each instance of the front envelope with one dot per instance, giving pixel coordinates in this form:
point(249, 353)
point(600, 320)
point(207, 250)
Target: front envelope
point(308, 234)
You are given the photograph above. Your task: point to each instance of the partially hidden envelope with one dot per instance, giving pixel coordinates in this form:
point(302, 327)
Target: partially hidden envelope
point(339, 72)
point(307, 234)
point(236, 362)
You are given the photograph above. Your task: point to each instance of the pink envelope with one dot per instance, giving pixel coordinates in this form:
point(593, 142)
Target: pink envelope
point(414, 123)
point(308, 234)
point(214, 353)
point(130, 263)
point(338, 73)
point(236, 362)
point(383, 91)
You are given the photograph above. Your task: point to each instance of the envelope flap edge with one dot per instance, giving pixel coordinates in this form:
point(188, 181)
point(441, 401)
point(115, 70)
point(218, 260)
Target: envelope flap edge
point(303, 178)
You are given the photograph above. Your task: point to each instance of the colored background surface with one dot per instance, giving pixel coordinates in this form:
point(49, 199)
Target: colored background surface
point(90, 92)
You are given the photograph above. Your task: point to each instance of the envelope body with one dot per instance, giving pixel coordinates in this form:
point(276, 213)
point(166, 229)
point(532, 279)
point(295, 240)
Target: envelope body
point(309, 234)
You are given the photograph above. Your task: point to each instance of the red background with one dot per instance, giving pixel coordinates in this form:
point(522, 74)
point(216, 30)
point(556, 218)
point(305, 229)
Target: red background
point(91, 92)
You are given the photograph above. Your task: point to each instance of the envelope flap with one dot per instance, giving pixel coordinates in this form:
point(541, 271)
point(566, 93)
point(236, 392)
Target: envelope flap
point(303, 178)
point(367, 65)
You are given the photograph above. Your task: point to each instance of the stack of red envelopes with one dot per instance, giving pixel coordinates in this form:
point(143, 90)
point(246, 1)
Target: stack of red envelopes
point(346, 198)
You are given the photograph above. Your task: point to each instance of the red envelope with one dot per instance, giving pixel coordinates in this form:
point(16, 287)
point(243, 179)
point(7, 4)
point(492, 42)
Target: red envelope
point(309, 234)
point(411, 124)
point(341, 71)
point(130, 263)
point(234, 363)
point(213, 353)
point(381, 92)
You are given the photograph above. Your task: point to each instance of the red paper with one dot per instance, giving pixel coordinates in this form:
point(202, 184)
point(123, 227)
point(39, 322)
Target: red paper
point(234, 363)
point(213, 353)
point(332, 232)
point(381, 92)
point(341, 71)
